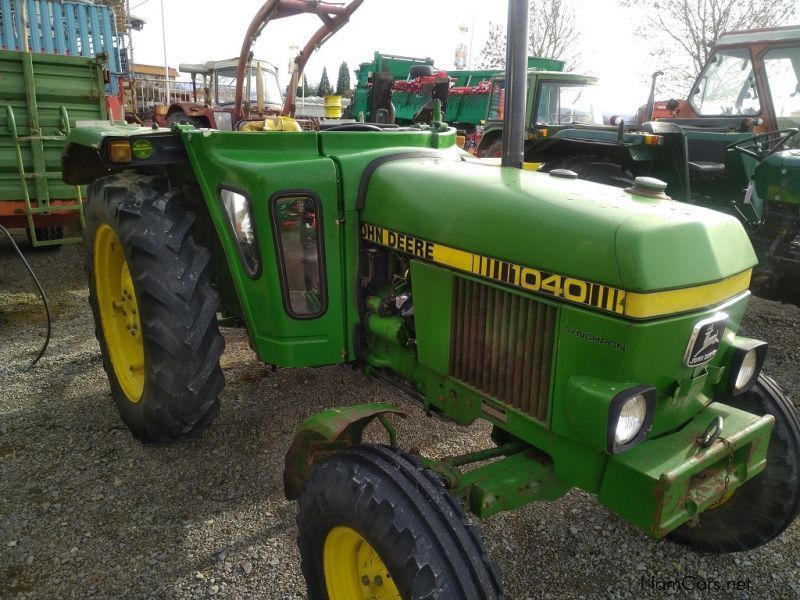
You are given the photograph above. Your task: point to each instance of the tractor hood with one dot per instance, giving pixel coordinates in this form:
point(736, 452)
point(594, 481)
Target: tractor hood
point(574, 228)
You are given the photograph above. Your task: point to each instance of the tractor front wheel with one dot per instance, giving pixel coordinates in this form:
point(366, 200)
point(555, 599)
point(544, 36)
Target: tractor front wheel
point(764, 507)
point(374, 524)
point(153, 306)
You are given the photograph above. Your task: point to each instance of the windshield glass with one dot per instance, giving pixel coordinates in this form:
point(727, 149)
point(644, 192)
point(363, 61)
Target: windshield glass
point(726, 86)
point(565, 103)
point(782, 67)
point(497, 101)
point(226, 86)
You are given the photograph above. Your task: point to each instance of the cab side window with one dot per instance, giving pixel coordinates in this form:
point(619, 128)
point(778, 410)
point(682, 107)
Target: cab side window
point(297, 222)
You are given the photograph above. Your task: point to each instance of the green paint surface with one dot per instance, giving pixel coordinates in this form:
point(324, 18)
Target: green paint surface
point(571, 227)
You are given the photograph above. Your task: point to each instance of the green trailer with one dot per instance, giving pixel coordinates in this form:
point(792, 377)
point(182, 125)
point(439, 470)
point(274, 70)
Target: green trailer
point(464, 95)
point(42, 97)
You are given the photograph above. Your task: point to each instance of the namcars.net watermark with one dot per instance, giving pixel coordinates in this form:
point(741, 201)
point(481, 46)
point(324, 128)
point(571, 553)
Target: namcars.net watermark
point(689, 583)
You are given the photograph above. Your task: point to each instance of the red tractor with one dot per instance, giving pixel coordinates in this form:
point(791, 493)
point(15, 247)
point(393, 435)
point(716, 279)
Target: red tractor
point(216, 106)
point(761, 64)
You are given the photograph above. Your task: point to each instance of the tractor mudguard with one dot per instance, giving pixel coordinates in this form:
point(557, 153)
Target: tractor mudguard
point(327, 432)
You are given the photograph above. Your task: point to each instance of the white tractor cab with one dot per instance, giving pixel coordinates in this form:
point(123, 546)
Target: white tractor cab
point(215, 108)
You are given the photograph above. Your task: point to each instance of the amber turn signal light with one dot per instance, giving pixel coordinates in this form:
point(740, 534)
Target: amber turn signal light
point(119, 151)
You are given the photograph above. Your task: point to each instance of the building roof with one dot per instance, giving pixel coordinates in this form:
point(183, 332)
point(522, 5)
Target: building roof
point(153, 70)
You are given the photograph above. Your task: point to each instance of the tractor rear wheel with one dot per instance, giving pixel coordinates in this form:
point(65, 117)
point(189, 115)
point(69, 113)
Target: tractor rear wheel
point(153, 306)
point(764, 507)
point(373, 523)
point(493, 149)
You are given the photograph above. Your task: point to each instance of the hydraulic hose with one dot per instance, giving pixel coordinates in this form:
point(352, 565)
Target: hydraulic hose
point(41, 293)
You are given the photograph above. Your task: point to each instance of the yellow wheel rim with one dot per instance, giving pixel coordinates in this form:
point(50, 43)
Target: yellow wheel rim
point(119, 312)
point(353, 570)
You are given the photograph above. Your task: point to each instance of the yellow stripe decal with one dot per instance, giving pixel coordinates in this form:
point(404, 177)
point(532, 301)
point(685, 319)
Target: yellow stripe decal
point(602, 297)
point(644, 306)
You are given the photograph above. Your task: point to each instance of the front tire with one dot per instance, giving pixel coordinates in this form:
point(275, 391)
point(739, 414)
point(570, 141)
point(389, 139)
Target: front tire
point(765, 506)
point(374, 524)
point(153, 307)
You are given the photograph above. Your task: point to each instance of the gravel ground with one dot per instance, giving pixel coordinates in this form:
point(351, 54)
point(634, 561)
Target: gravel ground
point(86, 511)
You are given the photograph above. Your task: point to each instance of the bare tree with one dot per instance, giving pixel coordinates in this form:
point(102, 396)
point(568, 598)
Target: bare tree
point(551, 34)
point(493, 53)
point(681, 32)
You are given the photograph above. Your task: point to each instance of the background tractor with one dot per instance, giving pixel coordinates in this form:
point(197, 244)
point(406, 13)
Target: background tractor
point(555, 100)
point(731, 146)
point(215, 107)
point(595, 328)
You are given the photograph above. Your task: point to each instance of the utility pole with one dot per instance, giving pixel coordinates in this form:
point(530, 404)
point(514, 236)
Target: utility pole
point(164, 41)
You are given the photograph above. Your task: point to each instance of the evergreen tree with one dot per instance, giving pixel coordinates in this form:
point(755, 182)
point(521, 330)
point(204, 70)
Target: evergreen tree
point(305, 89)
point(343, 81)
point(324, 87)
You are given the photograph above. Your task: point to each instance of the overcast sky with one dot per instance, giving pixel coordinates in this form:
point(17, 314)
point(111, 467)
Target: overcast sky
point(202, 30)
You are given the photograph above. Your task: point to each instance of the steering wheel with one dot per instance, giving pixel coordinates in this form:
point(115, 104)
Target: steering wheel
point(762, 145)
point(354, 127)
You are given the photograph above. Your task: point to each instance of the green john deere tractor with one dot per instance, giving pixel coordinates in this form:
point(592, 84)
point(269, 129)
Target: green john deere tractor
point(733, 146)
point(595, 328)
point(555, 100)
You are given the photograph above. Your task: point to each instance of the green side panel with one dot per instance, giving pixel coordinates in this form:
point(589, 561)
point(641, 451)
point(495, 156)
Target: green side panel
point(398, 66)
point(467, 109)
point(406, 105)
point(662, 483)
point(72, 82)
point(462, 109)
point(607, 348)
point(352, 152)
point(571, 227)
point(432, 288)
point(260, 165)
point(777, 178)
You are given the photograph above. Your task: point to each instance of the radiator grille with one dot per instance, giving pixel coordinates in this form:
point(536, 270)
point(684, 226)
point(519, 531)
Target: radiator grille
point(502, 344)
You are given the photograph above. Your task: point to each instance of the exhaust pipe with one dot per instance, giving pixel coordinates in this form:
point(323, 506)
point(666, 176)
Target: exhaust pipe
point(516, 84)
point(651, 99)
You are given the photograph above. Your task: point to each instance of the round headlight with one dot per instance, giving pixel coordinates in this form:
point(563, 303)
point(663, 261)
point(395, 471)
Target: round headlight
point(631, 419)
point(747, 371)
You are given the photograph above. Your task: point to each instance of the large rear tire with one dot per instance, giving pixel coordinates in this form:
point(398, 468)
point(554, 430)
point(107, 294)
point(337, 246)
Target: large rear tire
point(764, 507)
point(374, 524)
point(153, 306)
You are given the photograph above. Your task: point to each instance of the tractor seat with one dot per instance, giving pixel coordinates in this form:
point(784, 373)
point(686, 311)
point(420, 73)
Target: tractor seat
point(698, 168)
